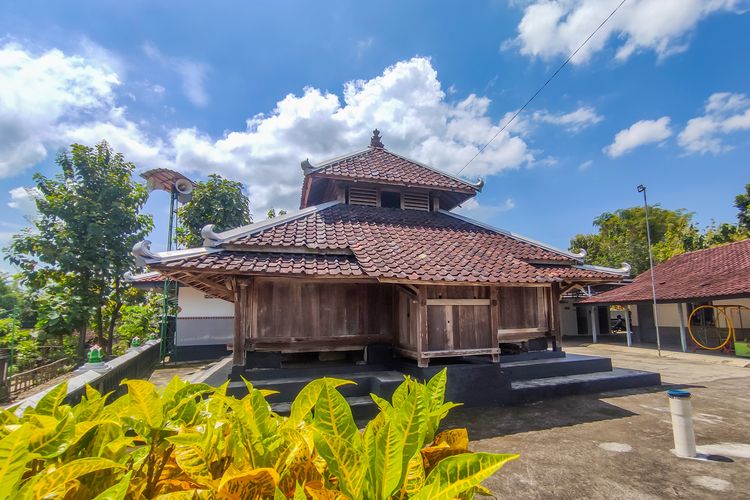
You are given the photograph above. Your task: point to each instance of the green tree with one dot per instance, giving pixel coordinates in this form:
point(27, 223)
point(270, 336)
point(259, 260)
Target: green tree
point(217, 201)
point(742, 204)
point(272, 213)
point(88, 220)
point(621, 237)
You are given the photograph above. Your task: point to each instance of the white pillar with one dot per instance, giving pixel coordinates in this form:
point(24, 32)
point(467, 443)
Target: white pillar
point(683, 334)
point(682, 423)
point(594, 322)
point(628, 329)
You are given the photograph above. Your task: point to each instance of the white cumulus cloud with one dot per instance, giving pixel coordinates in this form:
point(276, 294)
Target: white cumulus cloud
point(23, 199)
point(41, 94)
point(406, 102)
point(639, 134)
point(574, 121)
point(552, 29)
point(724, 113)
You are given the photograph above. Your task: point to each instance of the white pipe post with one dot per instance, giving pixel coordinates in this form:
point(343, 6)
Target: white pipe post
point(682, 423)
point(628, 329)
point(683, 336)
point(594, 323)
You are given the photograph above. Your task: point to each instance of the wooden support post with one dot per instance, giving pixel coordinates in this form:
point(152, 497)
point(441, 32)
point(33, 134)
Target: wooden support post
point(494, 319)
point(554, 316)
point(628, 327)
point(683, 333)
point(239, 289)
point(594, 322)
point(422, 341)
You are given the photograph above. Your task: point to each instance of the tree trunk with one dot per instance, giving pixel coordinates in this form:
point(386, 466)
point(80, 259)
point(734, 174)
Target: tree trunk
point(114, 316)
point(82, 340)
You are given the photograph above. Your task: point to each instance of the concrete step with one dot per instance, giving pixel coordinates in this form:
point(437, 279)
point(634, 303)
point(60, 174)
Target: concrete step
point(572, 364)
point(382, 383)
point(538, 389)
point(315, 370)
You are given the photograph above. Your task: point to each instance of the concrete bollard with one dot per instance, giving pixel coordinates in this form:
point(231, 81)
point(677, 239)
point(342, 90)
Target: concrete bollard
point(682, 423)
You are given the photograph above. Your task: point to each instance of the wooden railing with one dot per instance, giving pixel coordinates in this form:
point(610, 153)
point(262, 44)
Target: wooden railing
point(30, 378)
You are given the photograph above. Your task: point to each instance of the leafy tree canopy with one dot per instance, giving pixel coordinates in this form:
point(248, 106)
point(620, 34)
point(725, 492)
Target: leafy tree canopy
point(742, 204)
point(88, 220)
point(217, 201)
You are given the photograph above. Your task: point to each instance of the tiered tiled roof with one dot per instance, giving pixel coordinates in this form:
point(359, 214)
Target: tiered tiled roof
point(382, 166)
point(722, 271)
point(385, 243)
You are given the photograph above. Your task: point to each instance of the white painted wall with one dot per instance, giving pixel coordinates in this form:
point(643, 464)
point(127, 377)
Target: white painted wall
point(193, 303)
point(668, 313)
point(568, 318)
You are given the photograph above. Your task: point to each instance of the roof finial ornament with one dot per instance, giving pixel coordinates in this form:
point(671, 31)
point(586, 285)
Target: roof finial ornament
point(307, 166)
point(375, 141)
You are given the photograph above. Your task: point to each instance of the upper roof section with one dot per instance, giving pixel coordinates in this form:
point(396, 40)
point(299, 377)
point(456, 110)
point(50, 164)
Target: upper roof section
point(713, 273)
point(380, 167)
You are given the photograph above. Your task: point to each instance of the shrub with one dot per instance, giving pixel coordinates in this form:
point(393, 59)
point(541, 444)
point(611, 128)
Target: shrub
point(195, 441)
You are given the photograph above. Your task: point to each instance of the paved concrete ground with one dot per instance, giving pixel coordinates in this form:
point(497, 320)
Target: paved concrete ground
point(617, 444)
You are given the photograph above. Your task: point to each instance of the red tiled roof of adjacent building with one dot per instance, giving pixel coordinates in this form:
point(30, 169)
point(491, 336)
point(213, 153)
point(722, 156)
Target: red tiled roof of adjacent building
point(389, 243)
point(723, 271)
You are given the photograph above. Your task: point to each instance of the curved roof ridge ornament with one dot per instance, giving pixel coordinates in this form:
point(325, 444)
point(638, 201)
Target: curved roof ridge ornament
point(142, 252)
point(582, 253)
point(478, 185)
point(307, 167)
point(210, 237)
point(625, 268)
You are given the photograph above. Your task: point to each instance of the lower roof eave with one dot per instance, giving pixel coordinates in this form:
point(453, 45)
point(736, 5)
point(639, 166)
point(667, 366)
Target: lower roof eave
point(672, 300)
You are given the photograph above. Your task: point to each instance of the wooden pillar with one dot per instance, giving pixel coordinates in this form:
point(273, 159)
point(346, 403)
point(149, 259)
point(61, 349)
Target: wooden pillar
point(422, 341)
point(554, 315)
point(628, 327)
point(495, 319)
point(240, 292)
point(683, 333)
point(594, 322)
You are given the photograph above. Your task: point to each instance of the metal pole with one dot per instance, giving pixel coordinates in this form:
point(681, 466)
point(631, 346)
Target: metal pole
point(642, 189)
point(12, 338)
point(165, 297)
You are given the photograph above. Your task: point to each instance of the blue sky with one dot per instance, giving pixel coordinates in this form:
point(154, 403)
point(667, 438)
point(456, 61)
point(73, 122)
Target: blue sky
point(249, 89)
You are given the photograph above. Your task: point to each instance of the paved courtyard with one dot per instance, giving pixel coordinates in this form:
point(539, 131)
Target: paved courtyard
point(617, 445)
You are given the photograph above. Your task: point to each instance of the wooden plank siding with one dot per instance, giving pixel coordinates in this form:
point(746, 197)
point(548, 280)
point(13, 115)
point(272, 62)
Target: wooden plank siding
point(420, 321)
point(298, 310)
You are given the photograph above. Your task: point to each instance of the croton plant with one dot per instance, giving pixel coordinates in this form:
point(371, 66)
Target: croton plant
point(195, 441)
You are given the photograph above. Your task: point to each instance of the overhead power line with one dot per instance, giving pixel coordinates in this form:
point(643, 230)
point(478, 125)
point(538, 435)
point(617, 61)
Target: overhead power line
point(565, 63)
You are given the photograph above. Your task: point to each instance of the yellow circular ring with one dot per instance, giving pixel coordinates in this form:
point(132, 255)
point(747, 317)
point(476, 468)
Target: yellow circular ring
point(730, 327)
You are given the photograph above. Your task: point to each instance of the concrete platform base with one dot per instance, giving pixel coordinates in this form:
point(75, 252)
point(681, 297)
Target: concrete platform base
point(475, 384)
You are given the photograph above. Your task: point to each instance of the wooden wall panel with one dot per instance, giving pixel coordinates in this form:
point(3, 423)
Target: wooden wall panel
point(524, 307)
point(314, 310)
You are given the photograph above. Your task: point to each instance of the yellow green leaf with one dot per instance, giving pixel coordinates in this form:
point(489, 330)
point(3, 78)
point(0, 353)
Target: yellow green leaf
point(308, 396)
point(344, 460)
point(414, 477)
point(51, 401)
point(192, 460)
point(57, 482)
point(50, 437)
point(255, 483)
point(14, 455)
point(116, 492)
point(454, 438)
point(144, 403)
point(459, 473)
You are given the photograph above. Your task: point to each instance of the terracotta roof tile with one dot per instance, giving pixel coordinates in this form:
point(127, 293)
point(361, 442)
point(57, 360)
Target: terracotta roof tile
point(381, 165)
point(575, 272)
point(274, 263)
point(722, 271)
point(414, 245)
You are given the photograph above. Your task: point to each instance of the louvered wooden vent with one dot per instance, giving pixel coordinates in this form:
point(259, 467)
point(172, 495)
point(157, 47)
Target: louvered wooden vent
point(363, 196)
point(416, 201)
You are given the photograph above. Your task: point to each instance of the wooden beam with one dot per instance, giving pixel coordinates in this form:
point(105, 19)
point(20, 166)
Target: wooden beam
point(522, 330)
point(458, 302)
point(554, 316)
point(460, 352)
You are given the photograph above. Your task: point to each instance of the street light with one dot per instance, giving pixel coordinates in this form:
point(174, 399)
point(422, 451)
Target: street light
point(642, 189)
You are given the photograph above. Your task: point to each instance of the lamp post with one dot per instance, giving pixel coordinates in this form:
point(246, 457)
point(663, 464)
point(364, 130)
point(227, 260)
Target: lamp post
point(642, 189)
